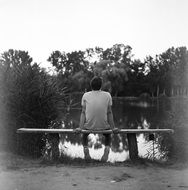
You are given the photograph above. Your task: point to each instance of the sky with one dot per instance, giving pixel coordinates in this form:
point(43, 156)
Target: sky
point(40, 27)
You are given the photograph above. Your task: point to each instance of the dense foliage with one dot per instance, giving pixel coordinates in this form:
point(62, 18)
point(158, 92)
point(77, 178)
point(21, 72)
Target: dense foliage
point(124, 76)
point(29, 98)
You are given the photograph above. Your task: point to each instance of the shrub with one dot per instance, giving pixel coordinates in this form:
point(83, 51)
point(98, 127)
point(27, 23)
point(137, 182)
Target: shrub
point(29, 98)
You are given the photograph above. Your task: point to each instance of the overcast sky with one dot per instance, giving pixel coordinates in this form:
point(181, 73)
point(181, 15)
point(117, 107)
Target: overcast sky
point(41, 26)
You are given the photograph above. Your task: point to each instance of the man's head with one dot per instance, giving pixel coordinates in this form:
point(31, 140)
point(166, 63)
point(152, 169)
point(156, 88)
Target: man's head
point(96, 83)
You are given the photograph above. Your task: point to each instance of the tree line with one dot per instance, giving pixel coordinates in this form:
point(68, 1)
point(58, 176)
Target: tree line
point(123, 75)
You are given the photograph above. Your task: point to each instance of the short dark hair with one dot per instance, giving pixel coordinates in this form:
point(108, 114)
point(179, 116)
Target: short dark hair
point(96, 83)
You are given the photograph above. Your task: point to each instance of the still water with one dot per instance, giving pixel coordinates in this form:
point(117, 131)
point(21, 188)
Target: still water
point(135, 113)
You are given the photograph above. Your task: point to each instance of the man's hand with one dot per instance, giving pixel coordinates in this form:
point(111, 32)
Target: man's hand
point(115, 130)
point(78, 130)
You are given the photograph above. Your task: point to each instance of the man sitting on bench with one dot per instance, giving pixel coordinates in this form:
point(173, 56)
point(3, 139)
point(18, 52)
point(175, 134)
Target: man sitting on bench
point(96, 115)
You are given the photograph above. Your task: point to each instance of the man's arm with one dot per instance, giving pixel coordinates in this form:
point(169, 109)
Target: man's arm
point(82, 117)
point(110, 117)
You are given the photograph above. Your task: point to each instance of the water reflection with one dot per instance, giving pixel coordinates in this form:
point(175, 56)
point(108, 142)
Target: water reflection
point(127, 114)
point(146, 148)
point(96, 150)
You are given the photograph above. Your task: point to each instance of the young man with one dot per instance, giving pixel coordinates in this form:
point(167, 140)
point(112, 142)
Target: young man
point(96, 115)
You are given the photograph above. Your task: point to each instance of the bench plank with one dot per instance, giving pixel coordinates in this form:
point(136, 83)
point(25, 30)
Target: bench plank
point(66, 131)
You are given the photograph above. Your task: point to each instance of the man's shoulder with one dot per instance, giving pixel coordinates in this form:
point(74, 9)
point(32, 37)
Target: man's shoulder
point(91, 93)
point(87, 93)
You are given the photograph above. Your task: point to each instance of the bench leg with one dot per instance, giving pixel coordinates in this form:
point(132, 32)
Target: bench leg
point(133, 147)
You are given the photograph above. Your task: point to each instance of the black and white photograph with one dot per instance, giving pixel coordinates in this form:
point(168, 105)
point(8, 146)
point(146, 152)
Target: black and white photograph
point(93, 94)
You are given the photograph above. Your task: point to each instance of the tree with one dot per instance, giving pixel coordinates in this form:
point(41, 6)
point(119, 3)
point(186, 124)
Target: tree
point(71, 67)
point(68, 63)
point(114, 75)
point(136, 74)
point(173, 65)
point(112, 64)
point(118, 53)
point(153, 75)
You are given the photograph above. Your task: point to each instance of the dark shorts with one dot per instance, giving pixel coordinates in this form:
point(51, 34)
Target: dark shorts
point(106, 142)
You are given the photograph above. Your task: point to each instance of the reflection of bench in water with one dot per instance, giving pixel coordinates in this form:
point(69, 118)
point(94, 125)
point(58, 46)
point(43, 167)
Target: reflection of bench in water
point(131, 136)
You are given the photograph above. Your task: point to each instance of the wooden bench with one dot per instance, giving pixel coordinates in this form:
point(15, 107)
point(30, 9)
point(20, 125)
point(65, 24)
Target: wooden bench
point(131, 135)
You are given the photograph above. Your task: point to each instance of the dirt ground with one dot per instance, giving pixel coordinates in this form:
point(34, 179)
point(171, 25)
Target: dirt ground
point(25, 174)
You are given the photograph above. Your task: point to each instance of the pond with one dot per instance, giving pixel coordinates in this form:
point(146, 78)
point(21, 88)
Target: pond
point(135, 113)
